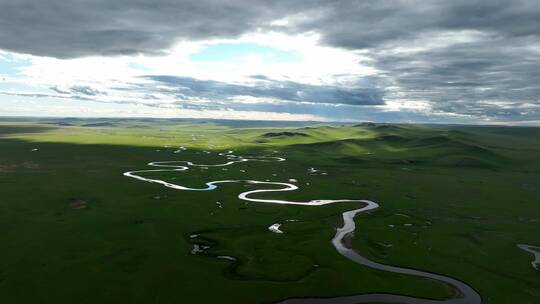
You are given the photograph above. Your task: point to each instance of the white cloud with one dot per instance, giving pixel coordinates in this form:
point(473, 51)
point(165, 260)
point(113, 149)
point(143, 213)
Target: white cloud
point(114, 77)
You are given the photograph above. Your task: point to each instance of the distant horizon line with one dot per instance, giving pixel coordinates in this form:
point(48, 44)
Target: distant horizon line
point(528, 124)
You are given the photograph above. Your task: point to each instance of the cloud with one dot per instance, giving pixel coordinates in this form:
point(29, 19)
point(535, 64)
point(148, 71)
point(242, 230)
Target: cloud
point(61, 95)
point(267, 88)
point(492, 78)
point(78, 28)
point(101, 27)
point(372, 23)
point(78, 90)
point(477, 58)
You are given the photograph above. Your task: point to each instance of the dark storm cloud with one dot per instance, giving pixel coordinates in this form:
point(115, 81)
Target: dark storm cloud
point(369, 24)
point(185, 87)
point(101, 27)
point(483, 78)
point(76, 28)
point(493, 75)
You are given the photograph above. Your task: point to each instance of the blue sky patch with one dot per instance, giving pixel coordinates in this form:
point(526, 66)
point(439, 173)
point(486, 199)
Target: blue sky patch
point(9, 65)
point(237, 51)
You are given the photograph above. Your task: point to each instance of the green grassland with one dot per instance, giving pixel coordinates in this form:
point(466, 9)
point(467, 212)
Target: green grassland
point(454, 200)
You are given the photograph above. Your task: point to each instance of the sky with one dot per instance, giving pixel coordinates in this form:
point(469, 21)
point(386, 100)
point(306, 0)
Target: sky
point(413, 61)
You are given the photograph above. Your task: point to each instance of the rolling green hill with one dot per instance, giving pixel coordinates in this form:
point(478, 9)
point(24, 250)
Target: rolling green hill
point(455, 200)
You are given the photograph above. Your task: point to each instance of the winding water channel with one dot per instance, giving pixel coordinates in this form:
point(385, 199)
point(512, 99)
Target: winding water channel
point(463, 293)
point(535, 251)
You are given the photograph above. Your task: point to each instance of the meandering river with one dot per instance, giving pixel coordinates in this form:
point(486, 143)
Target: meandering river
point(463, 293)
